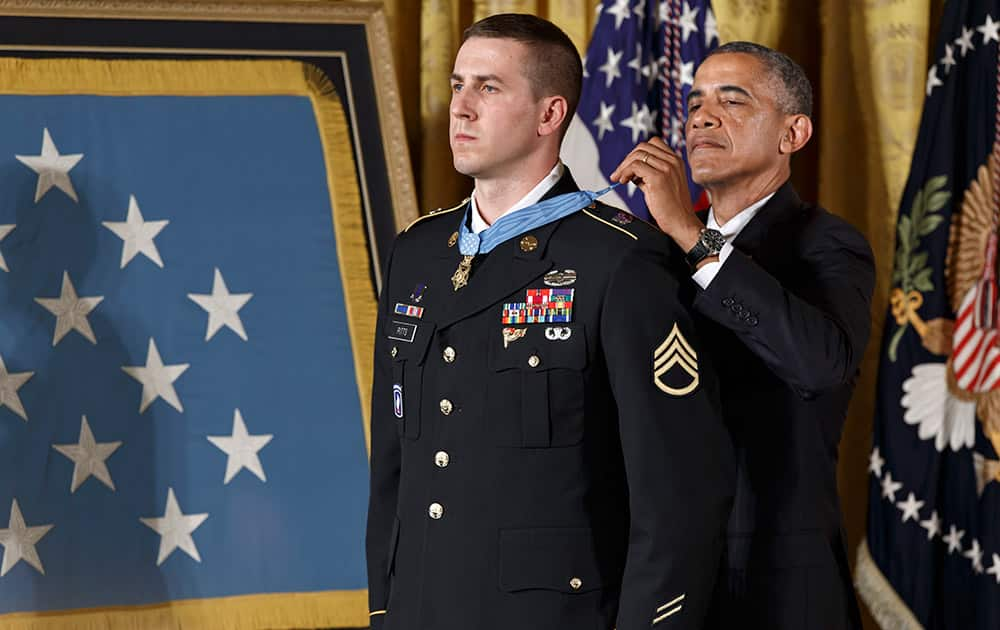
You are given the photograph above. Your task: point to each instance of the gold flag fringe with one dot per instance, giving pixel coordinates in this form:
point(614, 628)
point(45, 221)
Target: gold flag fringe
point(330, 609)
point(54, 77)
point(885, 605)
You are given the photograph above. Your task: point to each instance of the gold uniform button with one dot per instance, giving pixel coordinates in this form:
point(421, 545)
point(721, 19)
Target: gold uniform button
point(534, 361)
point(446, 406)
point(448, 355)
point(435, 511)
point(441, 459)
point(576, 584)
point(529, 243)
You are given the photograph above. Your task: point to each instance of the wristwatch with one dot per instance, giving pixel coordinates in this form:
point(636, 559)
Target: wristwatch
point(709, 243)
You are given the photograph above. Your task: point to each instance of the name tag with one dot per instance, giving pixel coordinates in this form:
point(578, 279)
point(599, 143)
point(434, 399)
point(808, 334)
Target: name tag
point(403, 331)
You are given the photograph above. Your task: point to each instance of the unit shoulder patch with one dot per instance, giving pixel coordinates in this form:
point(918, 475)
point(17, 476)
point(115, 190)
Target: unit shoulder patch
point(675, 365)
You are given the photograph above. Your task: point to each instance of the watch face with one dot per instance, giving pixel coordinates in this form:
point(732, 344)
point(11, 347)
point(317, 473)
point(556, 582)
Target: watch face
point(713, 240)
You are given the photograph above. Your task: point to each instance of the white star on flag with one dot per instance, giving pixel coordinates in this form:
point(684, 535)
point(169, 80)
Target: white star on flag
point(175, 529)
point(639, 122)
point(687, 21)
point(965, 40)
point(71, 311)
point(889, 487)
point(636, 63)
point(990, 30)
point(949, 58)
point(52, 168)
point(687, 73)
point(137, 234)
point(954, 539)
point(975, 554)
point(910, 508)
point(610, 67)
point(711, 28)
point(995, 569)
point(932, 80)
point(932, 525)
point(157, 379)
point(603, 121)
point(88, 457)
point(621, 12)
point(875, 462)
point(4, 231)
point(9, 384)
point(639, 10)
point(223, 307)
point(242, 448)
point(19, 541)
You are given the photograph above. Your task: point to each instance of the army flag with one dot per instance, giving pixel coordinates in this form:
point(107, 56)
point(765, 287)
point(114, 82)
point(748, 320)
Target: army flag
point(931, 558)
point(638, 71)
point(181, 431)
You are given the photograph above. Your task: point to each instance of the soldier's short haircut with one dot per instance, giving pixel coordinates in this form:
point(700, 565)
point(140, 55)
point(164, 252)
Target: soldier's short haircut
point(797, 93)
point(553, 65)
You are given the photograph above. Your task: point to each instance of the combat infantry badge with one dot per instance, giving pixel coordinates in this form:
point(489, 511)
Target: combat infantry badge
point(560, 278)
point(675, 352)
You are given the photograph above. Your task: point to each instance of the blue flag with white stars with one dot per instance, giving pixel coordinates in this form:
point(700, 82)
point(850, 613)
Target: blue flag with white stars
point(932, 554)
point(179, 409)
point(638, 71)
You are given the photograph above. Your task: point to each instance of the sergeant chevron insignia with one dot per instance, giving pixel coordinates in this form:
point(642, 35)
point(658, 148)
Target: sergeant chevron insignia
point(675, 351)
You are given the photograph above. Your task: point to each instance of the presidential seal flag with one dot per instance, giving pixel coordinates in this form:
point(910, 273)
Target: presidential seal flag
point(182, 440)
point(931, 558)
point(637, 74)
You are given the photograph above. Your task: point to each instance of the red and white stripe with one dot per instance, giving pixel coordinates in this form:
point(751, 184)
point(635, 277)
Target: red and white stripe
point(976, 351)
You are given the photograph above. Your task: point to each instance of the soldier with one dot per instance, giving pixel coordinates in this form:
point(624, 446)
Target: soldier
point(547, 446)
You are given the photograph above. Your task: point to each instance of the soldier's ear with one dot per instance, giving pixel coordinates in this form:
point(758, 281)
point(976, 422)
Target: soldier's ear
point(554, 112)
point(798, 131)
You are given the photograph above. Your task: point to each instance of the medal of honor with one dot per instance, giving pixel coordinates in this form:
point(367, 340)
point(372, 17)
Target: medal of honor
point(461, 276)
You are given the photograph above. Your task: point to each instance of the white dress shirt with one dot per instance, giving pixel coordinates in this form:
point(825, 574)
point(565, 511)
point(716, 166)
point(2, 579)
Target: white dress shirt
point(730, 231)
point(534, 196)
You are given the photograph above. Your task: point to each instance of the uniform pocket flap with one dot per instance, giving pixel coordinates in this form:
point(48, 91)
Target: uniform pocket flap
point(538, 347)
point(556, 559)
point(408, 341)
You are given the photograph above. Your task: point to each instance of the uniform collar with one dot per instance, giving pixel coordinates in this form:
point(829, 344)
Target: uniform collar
point(478, 224)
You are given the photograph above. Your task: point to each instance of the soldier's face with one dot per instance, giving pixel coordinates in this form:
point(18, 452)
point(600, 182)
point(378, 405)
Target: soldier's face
point(494, 112)
point(734, 125)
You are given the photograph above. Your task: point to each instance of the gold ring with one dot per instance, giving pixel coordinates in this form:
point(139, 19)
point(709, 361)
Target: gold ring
point(645, 156)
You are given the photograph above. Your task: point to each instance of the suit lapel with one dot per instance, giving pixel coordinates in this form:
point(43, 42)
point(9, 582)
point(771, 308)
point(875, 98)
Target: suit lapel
point(784, 204)
point(505, 269)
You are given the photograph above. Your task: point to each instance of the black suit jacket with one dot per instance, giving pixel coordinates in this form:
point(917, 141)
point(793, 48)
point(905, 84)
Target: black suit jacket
point(786, 321)
point(546, 482)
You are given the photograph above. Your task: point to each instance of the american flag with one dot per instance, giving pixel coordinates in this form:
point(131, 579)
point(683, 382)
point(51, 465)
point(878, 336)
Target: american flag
point(637, 73)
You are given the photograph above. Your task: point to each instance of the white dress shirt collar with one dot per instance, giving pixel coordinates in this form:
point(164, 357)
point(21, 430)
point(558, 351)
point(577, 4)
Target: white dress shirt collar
point(534, 196)
point(734, 226)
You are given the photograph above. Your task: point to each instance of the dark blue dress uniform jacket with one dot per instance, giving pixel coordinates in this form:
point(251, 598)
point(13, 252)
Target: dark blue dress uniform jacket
point(549, 483)
point(786, 322)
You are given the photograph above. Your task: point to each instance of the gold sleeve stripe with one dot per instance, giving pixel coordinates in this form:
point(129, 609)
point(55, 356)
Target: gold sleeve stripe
point(671, 603)
point(611, 225)
point(667, 614)
point(435, 213)
point(377, 612)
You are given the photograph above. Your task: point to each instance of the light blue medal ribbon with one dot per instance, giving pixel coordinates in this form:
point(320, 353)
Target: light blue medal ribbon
point(514, 223)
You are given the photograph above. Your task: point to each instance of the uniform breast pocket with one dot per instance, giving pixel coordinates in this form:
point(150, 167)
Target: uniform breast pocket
point(536, 389)
point(409, 349)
